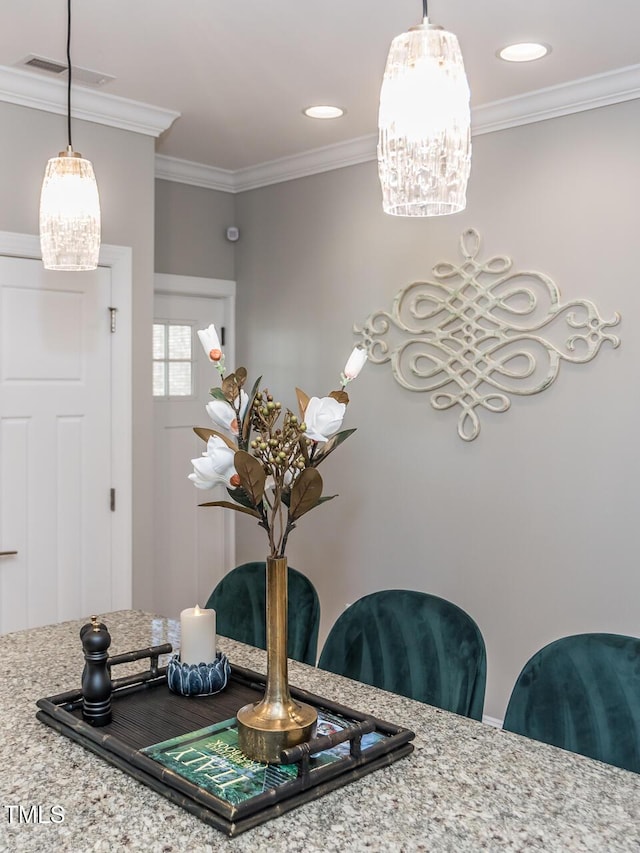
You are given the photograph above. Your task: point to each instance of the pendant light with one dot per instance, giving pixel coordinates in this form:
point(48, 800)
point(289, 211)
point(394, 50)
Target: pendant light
point(69, 202)
point(424, 141)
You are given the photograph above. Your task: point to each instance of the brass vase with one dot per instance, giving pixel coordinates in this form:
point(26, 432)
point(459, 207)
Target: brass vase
point(277, 721)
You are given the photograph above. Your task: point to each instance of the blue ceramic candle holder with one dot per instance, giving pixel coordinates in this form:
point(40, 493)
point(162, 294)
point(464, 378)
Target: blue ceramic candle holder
point(198, 679)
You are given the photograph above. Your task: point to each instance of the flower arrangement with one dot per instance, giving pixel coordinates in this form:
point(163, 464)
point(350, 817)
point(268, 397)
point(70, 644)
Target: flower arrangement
point(268, 457)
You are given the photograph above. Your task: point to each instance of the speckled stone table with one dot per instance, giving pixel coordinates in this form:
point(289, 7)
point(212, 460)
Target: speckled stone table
point(467, 786)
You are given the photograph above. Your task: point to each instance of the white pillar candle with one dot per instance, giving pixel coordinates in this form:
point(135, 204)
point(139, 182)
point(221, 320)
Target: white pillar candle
point(198, 633)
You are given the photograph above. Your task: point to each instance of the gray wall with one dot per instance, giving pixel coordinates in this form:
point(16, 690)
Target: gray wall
point(531, 528)
point(124, 166)
point(191, 223)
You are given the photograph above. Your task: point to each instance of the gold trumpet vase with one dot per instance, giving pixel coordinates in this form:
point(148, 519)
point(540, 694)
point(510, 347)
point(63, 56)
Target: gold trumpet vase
point(277, 721)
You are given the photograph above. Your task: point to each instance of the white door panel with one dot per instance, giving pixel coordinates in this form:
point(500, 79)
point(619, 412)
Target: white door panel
point(192, 544)
point(55, 444)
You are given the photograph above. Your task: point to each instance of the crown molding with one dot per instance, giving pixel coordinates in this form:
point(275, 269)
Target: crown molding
point(325, 159)
point(312, 162)
point(40, 93)
point(195, 174)
point(587, 93)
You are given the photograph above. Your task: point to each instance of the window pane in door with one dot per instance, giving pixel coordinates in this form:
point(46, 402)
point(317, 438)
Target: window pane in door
point(179, 378)
point(158, 340)
point(179, 342)
point(158, 378)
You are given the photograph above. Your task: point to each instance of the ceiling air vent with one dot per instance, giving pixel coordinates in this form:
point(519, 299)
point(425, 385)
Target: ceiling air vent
point(47, 65)
point(51, 67)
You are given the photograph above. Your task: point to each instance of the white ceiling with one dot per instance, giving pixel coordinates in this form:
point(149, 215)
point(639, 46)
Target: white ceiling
point(241, 71)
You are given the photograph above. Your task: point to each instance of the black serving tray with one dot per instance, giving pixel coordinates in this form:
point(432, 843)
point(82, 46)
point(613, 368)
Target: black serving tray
point(145, 712)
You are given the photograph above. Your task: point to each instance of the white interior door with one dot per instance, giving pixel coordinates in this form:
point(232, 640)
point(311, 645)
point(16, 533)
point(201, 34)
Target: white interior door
point(55, 444)
point(193, 545)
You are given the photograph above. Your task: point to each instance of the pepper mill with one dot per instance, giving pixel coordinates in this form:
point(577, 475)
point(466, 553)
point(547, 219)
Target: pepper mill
point(96, 678)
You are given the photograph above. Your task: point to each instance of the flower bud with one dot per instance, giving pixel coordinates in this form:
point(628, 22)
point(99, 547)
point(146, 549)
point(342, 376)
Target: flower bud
point(355, 362)
point(210, 343)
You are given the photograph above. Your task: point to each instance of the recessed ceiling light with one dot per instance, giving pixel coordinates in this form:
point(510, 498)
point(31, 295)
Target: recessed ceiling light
point(524, 52)
point(323, 111)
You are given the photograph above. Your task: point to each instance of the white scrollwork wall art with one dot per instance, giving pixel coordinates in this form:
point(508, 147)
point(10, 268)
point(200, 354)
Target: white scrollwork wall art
point(479, 333)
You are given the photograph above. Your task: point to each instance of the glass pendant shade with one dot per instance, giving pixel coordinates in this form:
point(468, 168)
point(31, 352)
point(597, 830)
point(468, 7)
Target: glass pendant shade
point(69, 214)
point(424, 141)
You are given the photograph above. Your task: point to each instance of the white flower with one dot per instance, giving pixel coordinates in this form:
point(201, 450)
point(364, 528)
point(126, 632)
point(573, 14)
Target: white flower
point(323, 417)
point(223, 414)
point(214, 466)
point(355, 363)
point(211, 343)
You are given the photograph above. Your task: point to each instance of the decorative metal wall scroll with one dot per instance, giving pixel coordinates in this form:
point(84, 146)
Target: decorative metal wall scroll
point(478, 333)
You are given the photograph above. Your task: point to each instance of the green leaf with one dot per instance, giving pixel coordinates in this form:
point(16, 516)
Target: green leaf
point(251, 473)
point(218, 394)
point(330, 446)
point(229, 505)
point(326, 498)
point(240, 496)
point(305, 493)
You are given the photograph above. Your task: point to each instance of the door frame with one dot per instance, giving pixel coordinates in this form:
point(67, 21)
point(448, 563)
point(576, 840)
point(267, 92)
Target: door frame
point(166, 284)
point(119, 260)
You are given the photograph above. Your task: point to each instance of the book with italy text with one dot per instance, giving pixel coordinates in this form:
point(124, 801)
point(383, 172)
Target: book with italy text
point(210, 758)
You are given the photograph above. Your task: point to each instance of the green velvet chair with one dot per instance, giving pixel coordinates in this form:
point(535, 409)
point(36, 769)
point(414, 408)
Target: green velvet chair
point(239, 601)
point(414, 644)
point(582, 693)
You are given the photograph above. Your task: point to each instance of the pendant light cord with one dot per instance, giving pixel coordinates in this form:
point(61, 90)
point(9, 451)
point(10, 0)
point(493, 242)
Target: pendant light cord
point(425, 13)
point(69, 72)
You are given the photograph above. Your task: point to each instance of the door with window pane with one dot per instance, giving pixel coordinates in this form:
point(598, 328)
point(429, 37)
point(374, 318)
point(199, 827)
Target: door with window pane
point(190, 541)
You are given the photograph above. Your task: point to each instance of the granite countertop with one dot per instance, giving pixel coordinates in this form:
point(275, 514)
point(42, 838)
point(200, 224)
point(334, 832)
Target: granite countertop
point(467, 786)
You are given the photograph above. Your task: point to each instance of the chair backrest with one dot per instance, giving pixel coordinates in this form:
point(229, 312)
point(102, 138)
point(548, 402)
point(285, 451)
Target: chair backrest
point(240, 599)
point(582, 693)
point(414, 644)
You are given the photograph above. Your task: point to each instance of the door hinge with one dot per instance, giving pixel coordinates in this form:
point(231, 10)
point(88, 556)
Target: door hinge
point(112, 500)
point(112, 314)
point(222, 336)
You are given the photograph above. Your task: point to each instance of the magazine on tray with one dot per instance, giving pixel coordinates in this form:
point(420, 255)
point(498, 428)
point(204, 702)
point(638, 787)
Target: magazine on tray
point(212, 760)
